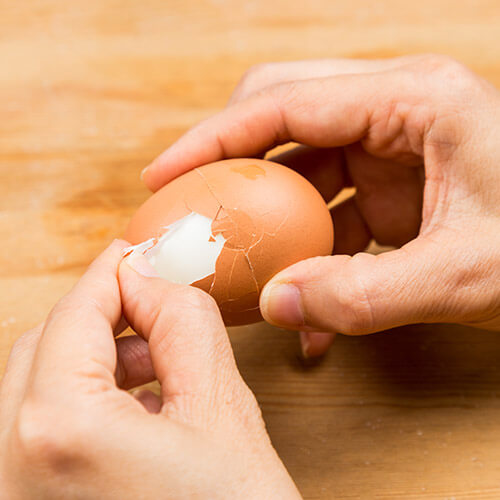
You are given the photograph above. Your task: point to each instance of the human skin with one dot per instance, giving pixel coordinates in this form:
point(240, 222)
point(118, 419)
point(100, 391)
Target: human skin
point(418, 137)
point(68, 430)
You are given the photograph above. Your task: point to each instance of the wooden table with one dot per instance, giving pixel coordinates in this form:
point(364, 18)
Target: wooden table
point(90, 91)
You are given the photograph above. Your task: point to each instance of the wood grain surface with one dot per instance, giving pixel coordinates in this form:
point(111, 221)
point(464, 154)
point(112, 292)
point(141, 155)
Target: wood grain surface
point(91, 91)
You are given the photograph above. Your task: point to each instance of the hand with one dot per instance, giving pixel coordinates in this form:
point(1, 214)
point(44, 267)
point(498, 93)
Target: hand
point(419, 139)
point(68, 430)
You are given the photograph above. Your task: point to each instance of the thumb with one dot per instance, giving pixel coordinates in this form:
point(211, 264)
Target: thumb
point(361, 294)
point(188, 342)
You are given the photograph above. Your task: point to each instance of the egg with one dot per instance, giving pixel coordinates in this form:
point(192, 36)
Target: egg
point(228, 227)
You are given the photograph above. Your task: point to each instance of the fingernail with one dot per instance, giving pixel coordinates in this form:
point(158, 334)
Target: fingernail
point(143, 172)
point(304, 344)
point(282, 305)
point(141, 265)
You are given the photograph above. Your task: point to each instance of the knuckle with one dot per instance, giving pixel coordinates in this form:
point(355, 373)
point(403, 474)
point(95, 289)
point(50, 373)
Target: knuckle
point(435, 62)
point(254, 71)
point(284, 93)
point(39, 442)
point(447, 72)
point(249, 82)
point(255, 74)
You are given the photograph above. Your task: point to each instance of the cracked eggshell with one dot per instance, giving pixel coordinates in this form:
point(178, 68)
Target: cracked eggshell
point(270, 216)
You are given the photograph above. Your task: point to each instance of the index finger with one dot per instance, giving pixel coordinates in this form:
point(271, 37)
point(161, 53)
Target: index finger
point(77, 338)
point(323, 112)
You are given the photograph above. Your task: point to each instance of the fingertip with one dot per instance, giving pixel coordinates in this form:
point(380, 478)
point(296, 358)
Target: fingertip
point(304, 344)
point(160, 172)
point(149, 175)
point(119, 242)
point(281, 305)
point(298, 296)
point(111, 257)
point(112, 252)
point(151, 402)
point(133, 362)
point(135, 274)
point(315, 344)
point(139, 264)
point(192, 149)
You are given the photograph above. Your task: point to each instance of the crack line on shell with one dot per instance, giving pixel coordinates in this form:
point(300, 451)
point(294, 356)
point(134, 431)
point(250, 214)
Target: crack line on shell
point(243, 310)
point(252, 270)
point(251, 309)
point(221, 206)
point(232, 271)
point(237, 251)
point(219, 210)
point(272, 235)
point(245, 251)
point(212, 285)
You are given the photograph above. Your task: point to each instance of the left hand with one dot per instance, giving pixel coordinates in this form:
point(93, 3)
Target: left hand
point(69, 431)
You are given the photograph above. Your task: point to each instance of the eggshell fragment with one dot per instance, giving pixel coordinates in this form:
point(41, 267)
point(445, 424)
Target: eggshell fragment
point(268, 216)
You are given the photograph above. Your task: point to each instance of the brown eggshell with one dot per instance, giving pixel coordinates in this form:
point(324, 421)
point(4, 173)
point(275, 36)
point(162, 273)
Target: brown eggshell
point(270, 216)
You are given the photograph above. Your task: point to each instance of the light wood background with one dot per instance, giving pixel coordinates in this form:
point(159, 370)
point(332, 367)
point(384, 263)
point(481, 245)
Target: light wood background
point(91, 91)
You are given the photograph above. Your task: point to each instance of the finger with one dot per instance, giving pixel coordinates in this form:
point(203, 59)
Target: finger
point(315, 344)
point(324, 168)
point(352, 234)
point(77, 339)
point(17, 371)
point(365, 293)
point(149, 400)
point(328, 112)
point(264, 75)
point(189, 347)
point(388, 198)
point(134, 366)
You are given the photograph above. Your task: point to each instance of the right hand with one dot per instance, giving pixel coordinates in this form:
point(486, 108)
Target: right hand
point(418, 137)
